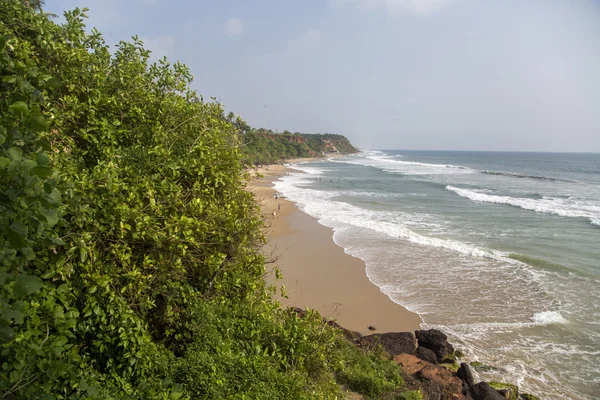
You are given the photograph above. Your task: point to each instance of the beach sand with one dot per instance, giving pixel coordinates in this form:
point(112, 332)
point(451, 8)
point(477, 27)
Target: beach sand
point(317, 273)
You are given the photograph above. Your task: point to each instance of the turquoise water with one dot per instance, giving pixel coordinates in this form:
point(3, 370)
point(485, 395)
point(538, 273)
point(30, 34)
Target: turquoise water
point(499, 250)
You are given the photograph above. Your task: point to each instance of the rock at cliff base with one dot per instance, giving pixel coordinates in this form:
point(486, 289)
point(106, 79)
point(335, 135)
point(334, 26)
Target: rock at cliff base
point(393, 343)
point(464, 374)
point(507, 390)
point(483, 391)
point(437, 342)
point(425, 354)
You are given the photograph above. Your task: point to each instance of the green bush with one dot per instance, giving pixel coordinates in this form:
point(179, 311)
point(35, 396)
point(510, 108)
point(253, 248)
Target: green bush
point(130, 255)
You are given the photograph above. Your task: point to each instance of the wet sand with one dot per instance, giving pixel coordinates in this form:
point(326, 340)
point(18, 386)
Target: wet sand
point(317, 273)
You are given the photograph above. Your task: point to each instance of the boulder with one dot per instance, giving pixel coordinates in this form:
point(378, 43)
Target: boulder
point(465, 375)
point(393, 343)
point(507, 390)
point(527, 396)
point(483, 391)
point(425, 354)
point(300, 313)
point(437, 342)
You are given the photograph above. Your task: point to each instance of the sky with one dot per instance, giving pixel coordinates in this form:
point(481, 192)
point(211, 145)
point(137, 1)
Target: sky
point(504, 75)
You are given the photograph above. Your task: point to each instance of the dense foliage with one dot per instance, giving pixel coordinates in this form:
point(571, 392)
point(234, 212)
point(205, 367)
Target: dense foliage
point(130, 256)
point(266, 147)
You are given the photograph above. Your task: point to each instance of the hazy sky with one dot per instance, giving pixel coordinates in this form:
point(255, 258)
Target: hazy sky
point(394, 74)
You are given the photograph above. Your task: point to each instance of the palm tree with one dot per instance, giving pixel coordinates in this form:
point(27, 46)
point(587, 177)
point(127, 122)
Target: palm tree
point(230, 117)
point(37, 5)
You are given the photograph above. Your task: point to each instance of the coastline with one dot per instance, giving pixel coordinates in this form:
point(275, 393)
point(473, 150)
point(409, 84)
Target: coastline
point(316, 272)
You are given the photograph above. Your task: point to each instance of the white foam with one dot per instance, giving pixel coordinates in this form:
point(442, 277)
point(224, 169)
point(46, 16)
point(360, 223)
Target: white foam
point(308, 170)
point(548, 317)
point(570, 207)
point(389, 164)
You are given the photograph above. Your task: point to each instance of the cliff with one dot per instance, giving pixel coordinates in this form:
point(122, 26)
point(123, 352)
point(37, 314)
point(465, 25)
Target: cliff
point(266, 147)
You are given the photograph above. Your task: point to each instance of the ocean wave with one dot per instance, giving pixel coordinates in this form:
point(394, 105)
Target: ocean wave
point(388, 164)
point(525, 176)
point(548, 317)
point(547, 205)
point(306, 169)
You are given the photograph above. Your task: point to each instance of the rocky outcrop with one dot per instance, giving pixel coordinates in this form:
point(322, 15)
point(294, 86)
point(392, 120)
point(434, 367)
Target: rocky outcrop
point(507, 390)
point(466, 376)
point(428, 366)
point(483, 391)
point(437, 342)
point(393, 343)
point(436, 381)
point(425, 354)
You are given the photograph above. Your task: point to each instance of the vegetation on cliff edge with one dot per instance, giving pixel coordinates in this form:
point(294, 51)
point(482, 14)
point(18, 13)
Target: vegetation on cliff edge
point(129, 249)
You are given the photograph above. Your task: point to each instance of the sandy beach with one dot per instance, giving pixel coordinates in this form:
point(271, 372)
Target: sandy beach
point(317, 273)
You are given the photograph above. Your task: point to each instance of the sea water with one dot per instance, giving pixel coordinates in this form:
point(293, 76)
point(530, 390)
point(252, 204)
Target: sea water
point(501, 251)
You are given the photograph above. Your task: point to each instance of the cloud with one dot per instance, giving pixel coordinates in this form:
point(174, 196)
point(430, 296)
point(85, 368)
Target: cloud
point(419, 7)
point(233, 27)
point(306, 41)
point(160, 47)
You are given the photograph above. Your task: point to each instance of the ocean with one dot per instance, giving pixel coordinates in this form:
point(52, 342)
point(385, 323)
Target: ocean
point(501, 251)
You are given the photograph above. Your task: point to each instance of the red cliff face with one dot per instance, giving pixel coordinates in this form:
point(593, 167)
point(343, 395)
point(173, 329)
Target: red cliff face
point(329, 147)
point(290, 138)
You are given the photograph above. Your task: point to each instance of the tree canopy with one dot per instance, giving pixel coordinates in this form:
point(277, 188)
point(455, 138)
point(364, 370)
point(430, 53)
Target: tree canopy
point(130, 257)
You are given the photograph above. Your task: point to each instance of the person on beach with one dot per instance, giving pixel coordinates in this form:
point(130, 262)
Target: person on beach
point(279, 206)
point(274, 214)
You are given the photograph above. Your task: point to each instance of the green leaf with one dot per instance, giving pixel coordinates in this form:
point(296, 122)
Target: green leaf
point(2, 139)
point(17, 315)
point(5, 38)
point(27, 284)
point(83, 386)
point(41, 171)
point(18, 109)
point(51, 217)
point(17, 233)
point(15, 153)
point(58, 311)
point(28, 253)
point(37, 122)
point(42, 159)
point(4, 162)
point(9, 78)
point(7, 334)
point(54, 196)
point(58, 242)
point(53, 82)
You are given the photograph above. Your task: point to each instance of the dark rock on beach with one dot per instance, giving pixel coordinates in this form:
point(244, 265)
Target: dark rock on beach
point(393, 343)
point(483, 391)
point(425, 354)
point(437, 342)
point(464, 374)
point(507, 390)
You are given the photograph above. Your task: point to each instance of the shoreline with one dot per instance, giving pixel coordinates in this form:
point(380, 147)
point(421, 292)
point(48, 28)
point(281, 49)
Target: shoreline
point(316, 272)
